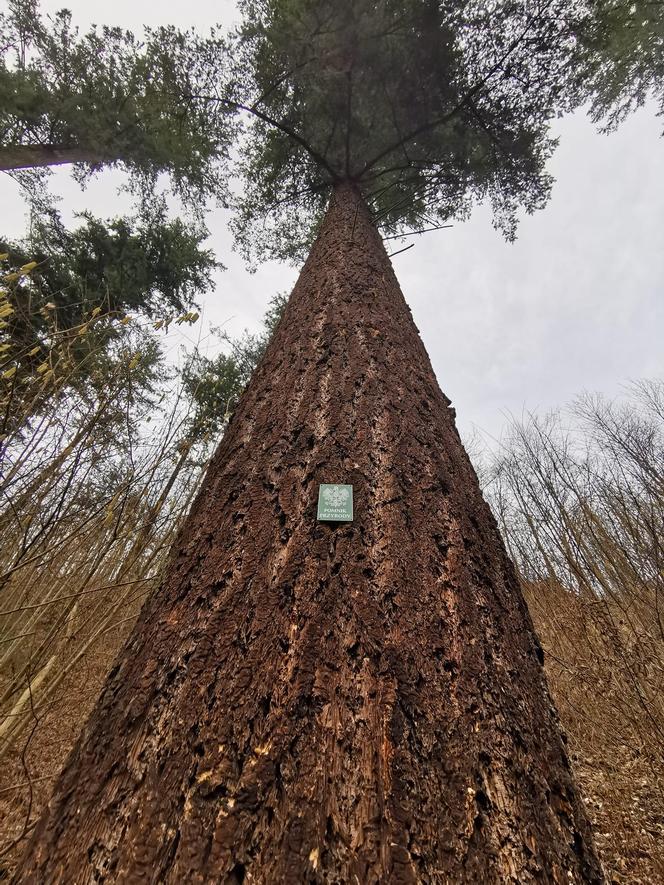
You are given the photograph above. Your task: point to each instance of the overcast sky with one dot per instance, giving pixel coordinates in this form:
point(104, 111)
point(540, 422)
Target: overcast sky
point(576, 304)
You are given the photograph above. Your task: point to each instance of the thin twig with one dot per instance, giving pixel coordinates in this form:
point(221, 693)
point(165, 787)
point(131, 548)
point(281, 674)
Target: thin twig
point(412, 233)
point(399, 251)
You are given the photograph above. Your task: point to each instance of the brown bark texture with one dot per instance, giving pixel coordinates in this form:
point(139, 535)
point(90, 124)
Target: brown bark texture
point(329, 703)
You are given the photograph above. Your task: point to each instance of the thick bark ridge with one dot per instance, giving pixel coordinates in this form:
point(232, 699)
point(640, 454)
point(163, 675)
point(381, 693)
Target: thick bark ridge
point(307, 702)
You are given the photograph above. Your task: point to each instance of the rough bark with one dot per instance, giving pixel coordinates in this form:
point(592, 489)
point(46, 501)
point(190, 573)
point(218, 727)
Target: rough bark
point(30, 156)
point(306, 702)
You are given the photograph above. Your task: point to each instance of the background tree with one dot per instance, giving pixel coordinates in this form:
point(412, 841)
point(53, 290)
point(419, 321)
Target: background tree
point(121, 264)
point(216, 384)
point(103, 99)
point(106, 99)
point(618, 61)
point(67, 294)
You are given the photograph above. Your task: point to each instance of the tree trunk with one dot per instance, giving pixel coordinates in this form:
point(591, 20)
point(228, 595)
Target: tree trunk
point(358, 702)
point(29, 156)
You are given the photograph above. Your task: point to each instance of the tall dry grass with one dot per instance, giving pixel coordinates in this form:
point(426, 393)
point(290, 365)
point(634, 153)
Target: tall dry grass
point(97, 471)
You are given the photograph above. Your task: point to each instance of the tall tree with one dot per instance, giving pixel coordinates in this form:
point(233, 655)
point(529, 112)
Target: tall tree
point(429, 106)
point(361, 701)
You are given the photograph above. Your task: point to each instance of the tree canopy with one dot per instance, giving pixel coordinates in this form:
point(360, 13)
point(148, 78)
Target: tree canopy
point(65, 295)
point(105, 98)
point(428, 106)
point(154, 265)
point(618, 62)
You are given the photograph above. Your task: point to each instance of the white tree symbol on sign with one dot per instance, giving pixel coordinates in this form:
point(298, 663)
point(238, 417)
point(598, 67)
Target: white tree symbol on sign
point(336, 497)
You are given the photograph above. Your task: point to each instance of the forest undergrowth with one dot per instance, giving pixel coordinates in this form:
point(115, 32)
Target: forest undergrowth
point(99, 470)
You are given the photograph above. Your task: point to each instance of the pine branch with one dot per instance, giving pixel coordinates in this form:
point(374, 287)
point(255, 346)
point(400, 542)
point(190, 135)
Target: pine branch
point(278, 124)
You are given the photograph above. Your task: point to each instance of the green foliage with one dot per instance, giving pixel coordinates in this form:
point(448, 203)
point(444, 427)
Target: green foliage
point(101, 361)
point(66, 319)
point(105, 99)
point(154, 266)
point(429, 106)
point(215, 385)
point(618, 64)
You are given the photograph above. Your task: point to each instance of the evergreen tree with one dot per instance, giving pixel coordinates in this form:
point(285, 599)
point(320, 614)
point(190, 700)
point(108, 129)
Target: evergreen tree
point(155, 266)
point(107, 99)
point(427, 106)
point(67, 294)
point(618, 61)
point(360, 701)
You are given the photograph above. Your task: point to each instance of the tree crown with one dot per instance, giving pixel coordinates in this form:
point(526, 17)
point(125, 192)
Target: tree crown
point(105, 98)
point(427, 106)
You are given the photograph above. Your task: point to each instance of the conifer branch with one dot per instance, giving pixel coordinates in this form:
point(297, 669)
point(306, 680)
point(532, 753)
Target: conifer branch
point(434, 124)
point(278, 124)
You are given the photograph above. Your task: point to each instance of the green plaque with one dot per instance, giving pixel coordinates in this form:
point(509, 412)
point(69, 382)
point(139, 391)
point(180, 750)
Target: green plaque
point(335, 503)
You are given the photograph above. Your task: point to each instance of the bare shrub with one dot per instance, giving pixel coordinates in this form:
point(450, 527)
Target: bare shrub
point(98, 470)
point(579, 496)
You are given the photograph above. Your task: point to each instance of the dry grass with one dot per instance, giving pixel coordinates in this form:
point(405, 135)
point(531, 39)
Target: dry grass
point(614, 743)
point(580, 498)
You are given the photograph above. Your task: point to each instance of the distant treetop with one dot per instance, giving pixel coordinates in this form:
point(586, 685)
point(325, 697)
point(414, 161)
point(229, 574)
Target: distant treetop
point(105, 98)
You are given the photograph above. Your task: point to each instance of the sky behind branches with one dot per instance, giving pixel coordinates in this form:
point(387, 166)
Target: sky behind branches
point(576, 304)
